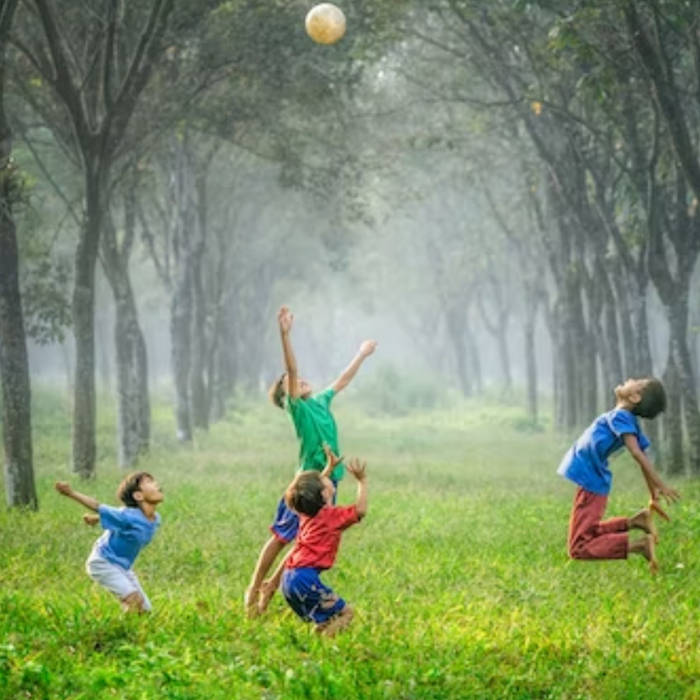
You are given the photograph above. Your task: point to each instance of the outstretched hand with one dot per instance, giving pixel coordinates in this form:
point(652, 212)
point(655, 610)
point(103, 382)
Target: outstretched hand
point(63, 487)
point(91, 519)
point(357, 469)
point(368, 347)
point(669, 494)
point(285, 319)
point(332, 460)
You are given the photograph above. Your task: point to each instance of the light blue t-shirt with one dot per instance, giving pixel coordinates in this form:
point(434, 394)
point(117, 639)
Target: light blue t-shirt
point(586, 462)
point(126, 532)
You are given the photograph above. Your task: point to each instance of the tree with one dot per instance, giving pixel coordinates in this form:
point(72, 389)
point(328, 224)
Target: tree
point(96, 74)
point(14, 366)
point(133, 401)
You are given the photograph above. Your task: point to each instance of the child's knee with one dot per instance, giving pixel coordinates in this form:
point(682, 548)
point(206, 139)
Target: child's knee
point(338, 622)
point(134, 602)
point(577, 550)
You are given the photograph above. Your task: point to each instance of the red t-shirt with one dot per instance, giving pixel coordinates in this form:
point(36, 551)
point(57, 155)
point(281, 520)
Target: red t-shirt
point(318, 538)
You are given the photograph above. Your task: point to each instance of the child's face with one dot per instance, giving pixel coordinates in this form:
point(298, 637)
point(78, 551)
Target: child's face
point(149, 490)
point(303, 385)
point(327, 491)
point(630, 391)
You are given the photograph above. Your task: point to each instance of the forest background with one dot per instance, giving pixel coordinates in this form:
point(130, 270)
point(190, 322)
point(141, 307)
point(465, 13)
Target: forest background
point(504, 193)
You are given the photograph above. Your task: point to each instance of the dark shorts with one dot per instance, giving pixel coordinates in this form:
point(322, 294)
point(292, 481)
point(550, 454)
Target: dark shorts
point(309, 597)
point(286, 522)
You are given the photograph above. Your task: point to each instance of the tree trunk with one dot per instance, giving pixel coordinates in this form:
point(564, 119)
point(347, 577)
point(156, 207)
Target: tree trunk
point(554, 328)
point(678, 319)
point(530, 361)
point(132, 373)
point(14, 364)
point(504, 357)
point(474, 358)
point(456, 334)
point(198, 388)
point(214, 369)
point(629, 355)
point(644, 366)
point(578, 364)
point(133, 403)
point(498, 330)
point(672, 420)
point(103, 360)
point(216, 403)
point(612, 362)
point(84, 408)
point(180, 335)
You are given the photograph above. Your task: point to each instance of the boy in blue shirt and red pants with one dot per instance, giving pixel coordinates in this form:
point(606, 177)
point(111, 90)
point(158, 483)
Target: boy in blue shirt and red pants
point(586, 464)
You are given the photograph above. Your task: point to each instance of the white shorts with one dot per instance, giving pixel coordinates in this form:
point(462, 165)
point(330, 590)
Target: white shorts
point(122, 582)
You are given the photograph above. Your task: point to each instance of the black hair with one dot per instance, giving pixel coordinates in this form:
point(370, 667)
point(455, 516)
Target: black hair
point(305, 493)
point(131, 483)
point(653, 399)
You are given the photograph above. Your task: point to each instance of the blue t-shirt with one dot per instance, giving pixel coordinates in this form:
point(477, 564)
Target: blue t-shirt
point(586, 462)
point(127, 531)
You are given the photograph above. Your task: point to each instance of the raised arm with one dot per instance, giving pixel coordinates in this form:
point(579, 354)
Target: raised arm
point(64, 488)
point(285, 319)
point(654, 483)
point(359, 471)
point(366, 349)
point(332, 460)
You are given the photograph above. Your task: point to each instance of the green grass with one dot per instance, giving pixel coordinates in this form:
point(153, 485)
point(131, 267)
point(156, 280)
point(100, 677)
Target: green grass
point(458, 575)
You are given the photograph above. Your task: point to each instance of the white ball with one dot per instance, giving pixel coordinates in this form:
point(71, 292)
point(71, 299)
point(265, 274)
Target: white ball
point(325, 23)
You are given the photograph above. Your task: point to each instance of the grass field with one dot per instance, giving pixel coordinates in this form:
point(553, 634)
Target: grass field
point(458, 575)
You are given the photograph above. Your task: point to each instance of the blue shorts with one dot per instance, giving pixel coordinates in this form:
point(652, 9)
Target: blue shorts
point(309, 597)
point(286, 522)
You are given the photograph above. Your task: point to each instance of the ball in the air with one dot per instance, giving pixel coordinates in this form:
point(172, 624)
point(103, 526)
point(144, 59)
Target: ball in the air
point(325, 23)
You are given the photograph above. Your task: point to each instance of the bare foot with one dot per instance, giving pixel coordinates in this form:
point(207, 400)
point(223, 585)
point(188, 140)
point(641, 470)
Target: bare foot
point(267, 590)
point(338, 622)
point(656, 508)
point(651, 547)
point(250, 602)
point(644, 520)
point(646, 547)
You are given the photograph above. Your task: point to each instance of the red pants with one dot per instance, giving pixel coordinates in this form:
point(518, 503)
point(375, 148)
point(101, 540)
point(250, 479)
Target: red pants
point(593, 538)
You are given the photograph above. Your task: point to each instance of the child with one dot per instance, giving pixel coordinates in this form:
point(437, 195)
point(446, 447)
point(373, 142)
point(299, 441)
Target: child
point(315, 427)
point(126, 531)
point(321, 524)
point(586, 464)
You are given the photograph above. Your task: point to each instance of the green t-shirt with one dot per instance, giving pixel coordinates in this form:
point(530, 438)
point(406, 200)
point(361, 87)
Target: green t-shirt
point(315, 425)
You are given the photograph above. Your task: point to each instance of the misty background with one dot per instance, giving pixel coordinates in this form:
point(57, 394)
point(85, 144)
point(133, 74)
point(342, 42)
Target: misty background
point(503, 194)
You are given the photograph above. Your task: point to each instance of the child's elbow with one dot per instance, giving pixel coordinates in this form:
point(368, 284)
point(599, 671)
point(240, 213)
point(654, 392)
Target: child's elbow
point(361, 512)
point(637, 454)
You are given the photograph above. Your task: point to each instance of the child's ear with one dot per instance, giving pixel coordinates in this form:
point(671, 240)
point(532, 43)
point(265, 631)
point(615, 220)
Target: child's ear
point(138, 496)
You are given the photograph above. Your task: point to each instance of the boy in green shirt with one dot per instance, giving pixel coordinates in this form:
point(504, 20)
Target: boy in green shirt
point(315, 427)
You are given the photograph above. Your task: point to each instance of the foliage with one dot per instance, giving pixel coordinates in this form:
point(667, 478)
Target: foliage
point(44, 276)
point(45, 301)
point(458, 574)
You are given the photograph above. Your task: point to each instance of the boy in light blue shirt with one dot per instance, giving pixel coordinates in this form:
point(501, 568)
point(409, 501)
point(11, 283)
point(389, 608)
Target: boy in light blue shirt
point(586, 464)
point(126, 531)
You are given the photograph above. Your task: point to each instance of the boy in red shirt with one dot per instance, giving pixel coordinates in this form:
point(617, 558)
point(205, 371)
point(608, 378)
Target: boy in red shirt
point(320, 527)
